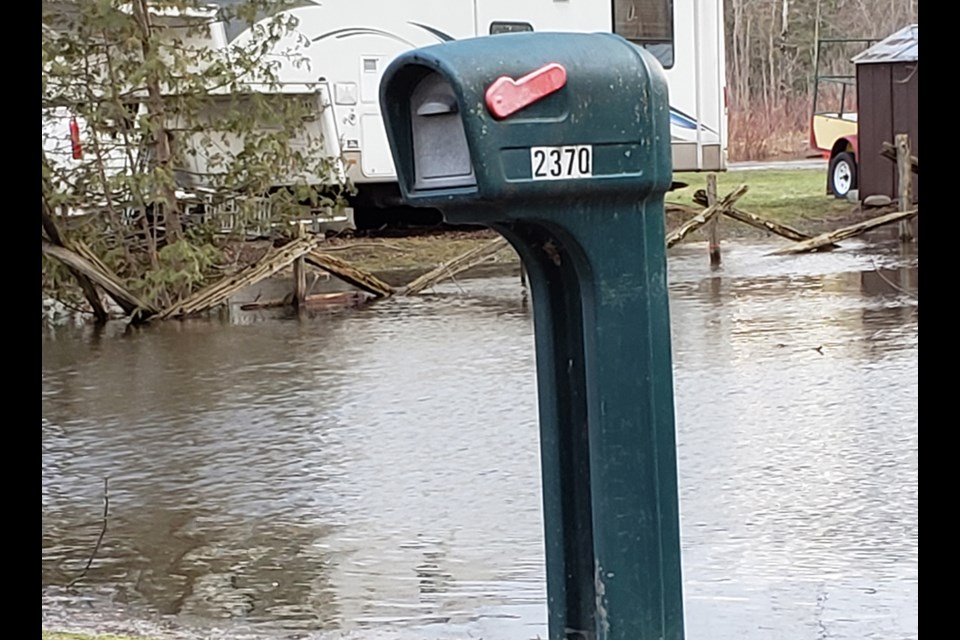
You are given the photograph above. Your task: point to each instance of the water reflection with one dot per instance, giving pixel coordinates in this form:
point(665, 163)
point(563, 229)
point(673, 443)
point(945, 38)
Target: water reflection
point(376, 474)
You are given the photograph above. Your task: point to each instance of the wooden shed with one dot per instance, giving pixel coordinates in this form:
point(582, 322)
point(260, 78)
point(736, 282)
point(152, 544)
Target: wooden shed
point(887, 104)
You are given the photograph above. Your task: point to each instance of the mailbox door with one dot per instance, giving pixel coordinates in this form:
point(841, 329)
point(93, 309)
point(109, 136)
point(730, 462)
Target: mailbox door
point(441, 157)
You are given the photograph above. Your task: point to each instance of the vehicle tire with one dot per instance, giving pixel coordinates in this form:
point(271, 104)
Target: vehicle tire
point(842, 174)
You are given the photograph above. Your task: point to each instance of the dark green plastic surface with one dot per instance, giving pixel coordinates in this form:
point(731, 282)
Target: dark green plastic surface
point(595, 254)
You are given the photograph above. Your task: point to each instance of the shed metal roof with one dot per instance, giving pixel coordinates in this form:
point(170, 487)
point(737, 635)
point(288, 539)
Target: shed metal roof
point(902, 46)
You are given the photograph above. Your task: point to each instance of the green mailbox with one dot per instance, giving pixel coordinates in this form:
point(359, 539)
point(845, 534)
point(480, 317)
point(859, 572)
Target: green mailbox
point(561, 142)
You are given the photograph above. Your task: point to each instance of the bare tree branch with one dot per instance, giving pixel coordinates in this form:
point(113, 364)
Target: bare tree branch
point(103, 532)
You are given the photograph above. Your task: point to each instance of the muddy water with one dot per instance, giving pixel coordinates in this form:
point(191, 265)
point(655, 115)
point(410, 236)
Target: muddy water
point(374, 473)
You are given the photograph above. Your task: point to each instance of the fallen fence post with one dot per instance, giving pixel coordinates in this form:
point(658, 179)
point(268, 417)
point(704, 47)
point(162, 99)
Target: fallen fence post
point(832, 237)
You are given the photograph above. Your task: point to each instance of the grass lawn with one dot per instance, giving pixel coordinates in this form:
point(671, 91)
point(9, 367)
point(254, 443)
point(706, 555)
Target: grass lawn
point(791, 197)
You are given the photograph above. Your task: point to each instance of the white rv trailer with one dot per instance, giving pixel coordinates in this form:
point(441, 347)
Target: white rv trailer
point(349, 43)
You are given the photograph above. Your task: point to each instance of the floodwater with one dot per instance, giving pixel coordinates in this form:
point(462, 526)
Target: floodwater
point(374, 473)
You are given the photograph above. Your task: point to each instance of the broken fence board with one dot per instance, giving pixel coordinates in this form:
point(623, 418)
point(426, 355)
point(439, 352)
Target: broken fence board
point(704, 216)
point(458, 265)
point(220, 291)
point(86, 285)
point(109, 283)
point(843, 233)
point(351, 275)
point(759, 222)
point(87, 253)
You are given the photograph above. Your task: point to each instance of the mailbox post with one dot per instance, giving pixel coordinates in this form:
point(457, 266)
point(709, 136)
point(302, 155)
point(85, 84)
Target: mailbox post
point(561, 142)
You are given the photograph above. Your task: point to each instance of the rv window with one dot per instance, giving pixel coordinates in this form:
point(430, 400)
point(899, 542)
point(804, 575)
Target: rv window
point(648, 23)
point(509, 27)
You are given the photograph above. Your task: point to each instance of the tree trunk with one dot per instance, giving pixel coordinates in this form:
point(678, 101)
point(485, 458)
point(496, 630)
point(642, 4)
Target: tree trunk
point(162, 139)
point(128, 147)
